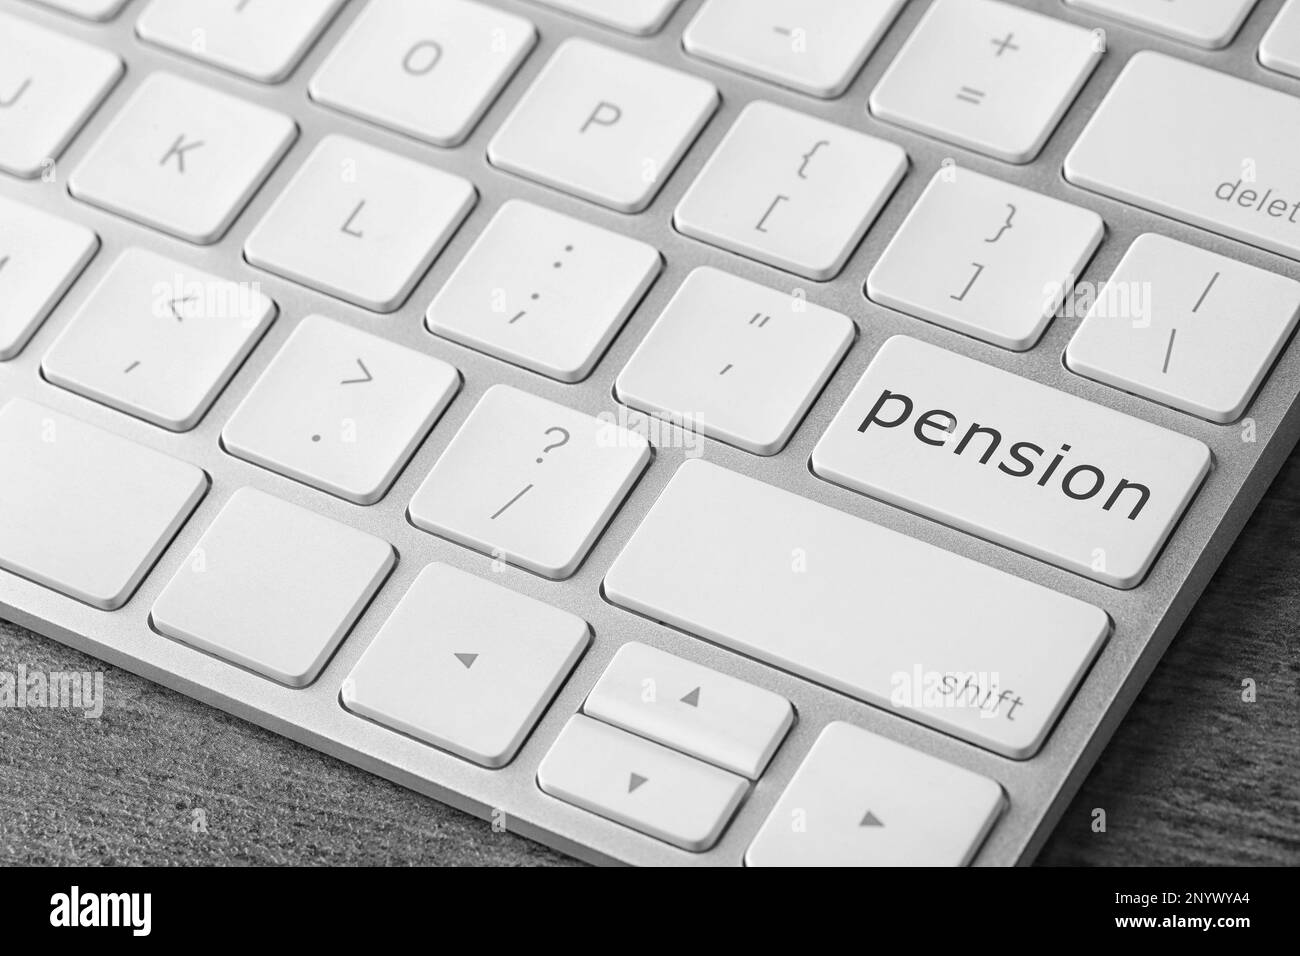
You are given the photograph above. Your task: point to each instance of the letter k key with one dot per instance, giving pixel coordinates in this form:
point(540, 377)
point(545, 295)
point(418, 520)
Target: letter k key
point(179, 149)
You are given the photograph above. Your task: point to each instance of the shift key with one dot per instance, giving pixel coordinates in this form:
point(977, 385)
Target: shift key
point(1198, 146)
point(1040, 471)
point(866, 611)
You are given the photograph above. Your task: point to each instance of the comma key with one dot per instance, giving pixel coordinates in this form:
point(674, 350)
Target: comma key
point(1045, 473)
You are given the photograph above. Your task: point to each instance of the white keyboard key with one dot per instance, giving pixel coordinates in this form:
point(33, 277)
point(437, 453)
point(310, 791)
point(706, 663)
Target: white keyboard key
point(986, 258)
point(260, 39)
point(988, 76)
point(640, 784)
point(860, 799)
point(960, 442)
point(466, 665)
point(691, 708)
point(603, 125)
point(272, 587)
point(529, 481)
point(638, 17)
point(427, 68)
point(1186, 327)
point(87, 9)
point(1209, 24)
point(735, 360)
point(814, 46)
point(340, 409)
point(84, 511)
point(851, 605)
point(49, 86)
point(40, 257)
point(791, 190)
point(182, 157)
point(1228, 166)
point(1280, 48)
point(544, 291)
point(158, 339)
point(360, 223)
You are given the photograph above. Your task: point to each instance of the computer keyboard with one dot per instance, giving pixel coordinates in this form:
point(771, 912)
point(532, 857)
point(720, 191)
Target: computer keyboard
point(706, 432)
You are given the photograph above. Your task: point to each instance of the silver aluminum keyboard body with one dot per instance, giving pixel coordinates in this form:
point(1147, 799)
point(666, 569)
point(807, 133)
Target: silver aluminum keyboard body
point(1038, 790)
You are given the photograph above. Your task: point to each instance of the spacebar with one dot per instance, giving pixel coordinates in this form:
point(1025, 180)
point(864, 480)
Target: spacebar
point(866, 611)
point(1200, 146)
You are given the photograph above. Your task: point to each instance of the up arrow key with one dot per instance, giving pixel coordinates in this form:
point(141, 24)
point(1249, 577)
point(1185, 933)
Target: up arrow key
point(870, 820)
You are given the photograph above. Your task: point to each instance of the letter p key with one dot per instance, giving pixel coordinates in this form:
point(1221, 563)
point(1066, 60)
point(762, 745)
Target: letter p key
point(605, 114)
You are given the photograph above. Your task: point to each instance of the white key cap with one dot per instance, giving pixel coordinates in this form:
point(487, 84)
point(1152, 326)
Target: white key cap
point(272, 587)
point(603, 125)
point(262, 40)
point(1280, 48)
point(1228, 166)
point(791, 190)
point(691, 708)
point(544, 291)
point(814, 46)
point(529, 481)
point(860, 799)
point(158, 339)
point(987, 76)
point(984, 257)
point(735, 360)
point(87, 9)
point(851, 605)
point(466, 665)
point(638, 17)
point(49, 86)
point(1186, 327)
point(1209, 24)
point(427, 68)
point(640, 784)
point(182, 158)
point(40, 257)
point(84, 511)
point(1106, 489)
point(340, 409)
point(360, 223)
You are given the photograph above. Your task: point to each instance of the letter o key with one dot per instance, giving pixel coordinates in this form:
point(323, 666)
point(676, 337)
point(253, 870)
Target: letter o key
point(418, 65)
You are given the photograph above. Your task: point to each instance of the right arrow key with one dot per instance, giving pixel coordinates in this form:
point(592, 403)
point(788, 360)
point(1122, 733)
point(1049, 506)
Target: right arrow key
point(860, 799)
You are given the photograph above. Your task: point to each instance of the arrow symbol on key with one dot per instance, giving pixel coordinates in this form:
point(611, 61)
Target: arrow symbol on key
point(635, 781)
point(359, 381)
point(692, 699)
point(467, 659)
point(871, 820)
